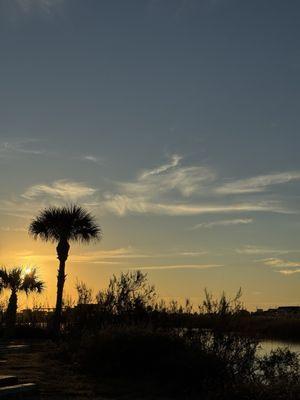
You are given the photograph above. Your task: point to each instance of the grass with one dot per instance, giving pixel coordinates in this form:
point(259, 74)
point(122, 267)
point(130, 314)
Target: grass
point(60, 380)
point(54, 378)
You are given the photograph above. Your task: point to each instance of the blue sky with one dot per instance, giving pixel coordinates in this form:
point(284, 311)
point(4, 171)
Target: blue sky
point(175, 122)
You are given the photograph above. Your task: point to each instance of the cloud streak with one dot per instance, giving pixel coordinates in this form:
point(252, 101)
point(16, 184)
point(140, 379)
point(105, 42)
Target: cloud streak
point(169, 177)
point(171, 189)
point(289, 267)
point(225, 223)
point(47, 6)
point(289, 272)
point(278, 262)
point(19, 147)
point(101, 256)
point(123, 205)
point(258, 183)
point(178, 267)
point(61, 189)
point(127, 253)
point(92, 159)
point(10, 229)
point(175, 160)
point(260, 250)
point(176, 190)
point(118, 256)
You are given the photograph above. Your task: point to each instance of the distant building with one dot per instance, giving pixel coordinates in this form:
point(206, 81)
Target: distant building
point(289, 310)
point(279, 311)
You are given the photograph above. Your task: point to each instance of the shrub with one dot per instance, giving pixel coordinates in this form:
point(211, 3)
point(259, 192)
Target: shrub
point(129, 293)
point(281, 365)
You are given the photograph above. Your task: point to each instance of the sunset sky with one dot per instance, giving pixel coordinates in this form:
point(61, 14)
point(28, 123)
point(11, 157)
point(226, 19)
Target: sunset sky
point(175, 122)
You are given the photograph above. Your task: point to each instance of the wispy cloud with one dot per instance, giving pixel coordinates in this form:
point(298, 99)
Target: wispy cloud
point(111, 256)
point(11, 229)
point(169, 177)
point(117, 256)
point(176, 267)
point(121, 257)
point(122, 205)
point(174, 161)
point(278, 262)
point(102, 256)
point(258, 183)
point(289, 271)
point(18, 208)
point(92, 159)
point(193, 253)
point(61, 189)
point(258, 250)
point(20, 147)
point(48, 6)
point(128, 253)
point(289, 267)
point(171, 189)
point(224, 222)
point(175, 189)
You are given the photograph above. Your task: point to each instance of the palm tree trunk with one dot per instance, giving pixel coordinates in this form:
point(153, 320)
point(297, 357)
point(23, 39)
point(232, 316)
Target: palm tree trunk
point(11, 312)
point(62, 254)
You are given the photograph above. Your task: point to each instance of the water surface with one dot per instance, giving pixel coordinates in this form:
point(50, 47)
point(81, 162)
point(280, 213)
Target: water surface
point(266, 346)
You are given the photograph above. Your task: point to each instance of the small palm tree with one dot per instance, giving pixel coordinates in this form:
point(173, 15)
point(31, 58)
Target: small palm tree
point(17, 281)
point(62, 225)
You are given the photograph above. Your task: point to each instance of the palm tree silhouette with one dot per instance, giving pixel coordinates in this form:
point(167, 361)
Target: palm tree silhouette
point(17, 281)
point(61, 225)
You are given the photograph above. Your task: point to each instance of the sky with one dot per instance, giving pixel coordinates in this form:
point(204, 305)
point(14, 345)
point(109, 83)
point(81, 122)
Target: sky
point(174, 122)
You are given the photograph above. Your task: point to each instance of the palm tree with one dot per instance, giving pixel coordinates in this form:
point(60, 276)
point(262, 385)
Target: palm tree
point(62, 225)
point(17, 281)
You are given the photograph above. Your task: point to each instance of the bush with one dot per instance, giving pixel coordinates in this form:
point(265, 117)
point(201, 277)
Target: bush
point(189, 363)
point(280, 365)
point(183, 362)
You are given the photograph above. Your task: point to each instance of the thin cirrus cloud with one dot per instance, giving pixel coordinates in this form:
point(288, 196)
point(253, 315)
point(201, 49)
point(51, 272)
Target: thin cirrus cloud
point(258, 250)
point(258, 183)
point(112, 256)
point(289, 271)
point(193, 253)
point(60, 189)
point(116, 256)
point(224, 222)
point(127, 253)
point(92, 159)
point(278, 262)
point(123, 205)
point(178, 267)
point(10, 149)
point(174, 189)
point(174, 161)
point(17, 209)
point(170, 189)
point(28, 6)
point(170, 177)
point(290, 267)
point(11, 229)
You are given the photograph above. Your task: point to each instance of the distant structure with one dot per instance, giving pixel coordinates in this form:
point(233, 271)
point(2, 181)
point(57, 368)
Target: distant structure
point(279, 311)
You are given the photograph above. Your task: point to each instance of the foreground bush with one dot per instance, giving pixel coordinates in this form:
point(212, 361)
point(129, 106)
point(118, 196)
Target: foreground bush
point(169, 360)
point(190, 364)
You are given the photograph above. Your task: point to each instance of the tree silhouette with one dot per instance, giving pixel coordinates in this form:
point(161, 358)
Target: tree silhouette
point(17, 281)
point(62, 225)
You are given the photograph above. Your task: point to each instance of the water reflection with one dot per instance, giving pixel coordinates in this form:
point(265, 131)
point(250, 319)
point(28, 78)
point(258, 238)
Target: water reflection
point(266, 346)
